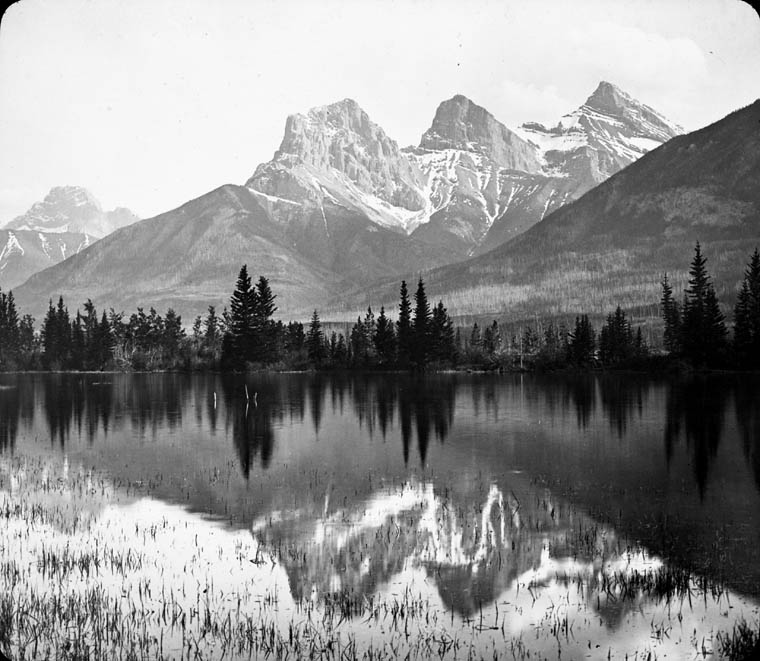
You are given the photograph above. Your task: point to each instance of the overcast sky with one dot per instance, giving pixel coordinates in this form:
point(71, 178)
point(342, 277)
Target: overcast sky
point(149, 103)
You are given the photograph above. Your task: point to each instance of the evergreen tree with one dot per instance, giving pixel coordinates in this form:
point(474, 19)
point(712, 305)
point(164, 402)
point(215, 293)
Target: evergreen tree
point(104, 342)
point(360, 342)
point(384, 340)
point(79, 346)
point(10, 334)
point(530, 341)
point(747, 316)
point(294, 337)
point(616, 343)
point(582, 342)
point(56, 335)
point(27, 339)
point(404, 331)
point(264, 340)
point(492, 339)
point(341, 352)
point(671, 314)
point(172, 333)
point(315, 343)
point(242, 328)
point(476, 341)
point(640, 348)
point(212, 329)
point(197, 329)
point(421, 326)
point(743, 323)
point(703, 330)
point(442, 341)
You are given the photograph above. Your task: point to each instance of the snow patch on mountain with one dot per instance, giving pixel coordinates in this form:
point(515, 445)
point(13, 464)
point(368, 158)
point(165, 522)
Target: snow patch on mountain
point(11, 246)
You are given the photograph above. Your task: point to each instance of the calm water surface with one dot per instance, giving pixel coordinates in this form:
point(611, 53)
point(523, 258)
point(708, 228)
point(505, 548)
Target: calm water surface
point(508, 499)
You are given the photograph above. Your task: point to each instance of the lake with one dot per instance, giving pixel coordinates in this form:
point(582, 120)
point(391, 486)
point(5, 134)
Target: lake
point(378, 515)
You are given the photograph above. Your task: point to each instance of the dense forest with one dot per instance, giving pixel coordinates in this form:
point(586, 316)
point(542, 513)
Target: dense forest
point(421, 337)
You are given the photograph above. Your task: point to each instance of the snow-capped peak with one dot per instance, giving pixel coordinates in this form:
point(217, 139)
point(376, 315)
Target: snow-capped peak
point(71, 209)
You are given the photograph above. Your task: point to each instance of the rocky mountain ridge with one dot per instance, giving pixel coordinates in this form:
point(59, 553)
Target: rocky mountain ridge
point(471, 183)
point(68, 220)
point(341, 206)
point(612, 246)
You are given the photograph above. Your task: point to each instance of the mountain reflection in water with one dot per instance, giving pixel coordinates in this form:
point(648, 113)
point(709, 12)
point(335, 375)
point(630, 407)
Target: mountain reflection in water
point(467, 478)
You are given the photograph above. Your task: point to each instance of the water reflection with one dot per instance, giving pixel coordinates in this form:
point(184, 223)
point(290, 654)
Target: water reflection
point(251, 421)
point(497, 565)
point(315, 447)
point(697, 408)
point(417, 408)
point(747, 399)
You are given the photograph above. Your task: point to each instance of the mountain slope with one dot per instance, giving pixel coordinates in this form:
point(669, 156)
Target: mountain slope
point(65, 222)
point(613, 244)
point(187, 258)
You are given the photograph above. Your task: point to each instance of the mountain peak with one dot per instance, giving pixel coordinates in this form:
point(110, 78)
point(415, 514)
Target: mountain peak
point(461, 124)
point(338, 148)
point(609, 98)
point(71, 209)
point(74, 195)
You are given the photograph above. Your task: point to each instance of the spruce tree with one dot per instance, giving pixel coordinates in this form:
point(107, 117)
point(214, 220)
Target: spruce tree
point(172, 334)
point(421, 326)
point(746, 343)
point(671, 315)
point(264, 340)
point(703, 329)
point(80, 348)
point(442, 341)
point(616, 342)
point(384, 340)
point(360, 343)
point(27, 339)
point(243, 306)
point(315, 343)
point(475, 339)
point(10, 335)
point(492, 339)
point(211, 325)
point(582, 343)
point(404, 331)
point(104, 342)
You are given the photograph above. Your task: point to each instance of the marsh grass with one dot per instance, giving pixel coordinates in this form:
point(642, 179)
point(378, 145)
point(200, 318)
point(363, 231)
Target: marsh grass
point(93, 571)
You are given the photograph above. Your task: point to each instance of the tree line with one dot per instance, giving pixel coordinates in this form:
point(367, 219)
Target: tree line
point(421, 336)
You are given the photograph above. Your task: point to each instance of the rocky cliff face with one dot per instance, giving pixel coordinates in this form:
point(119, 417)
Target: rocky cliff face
point(337, 153)
point(471, 183)
point(462, 125)
point(487, 184)
point(65, 222)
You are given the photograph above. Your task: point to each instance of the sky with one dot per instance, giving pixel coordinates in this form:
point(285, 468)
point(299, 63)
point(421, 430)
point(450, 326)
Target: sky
point(150, 103)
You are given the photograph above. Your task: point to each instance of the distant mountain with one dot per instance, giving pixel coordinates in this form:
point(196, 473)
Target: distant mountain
point(340, 206)
point(187, 258)
point(613, 244)
point(65, 222)
point(470, 185)
point(488, 184)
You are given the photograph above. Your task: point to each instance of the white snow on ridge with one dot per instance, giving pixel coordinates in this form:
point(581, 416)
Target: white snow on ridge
point(45, 244)
point(11, 246)
point(644, 144)
point(273, 198)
